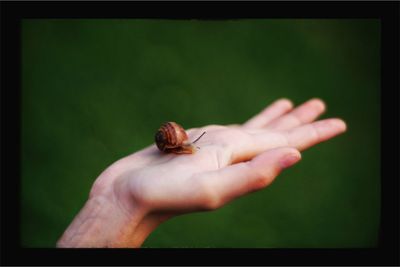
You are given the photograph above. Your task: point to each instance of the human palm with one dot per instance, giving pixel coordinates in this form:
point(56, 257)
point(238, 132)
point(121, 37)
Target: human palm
point(232, 161)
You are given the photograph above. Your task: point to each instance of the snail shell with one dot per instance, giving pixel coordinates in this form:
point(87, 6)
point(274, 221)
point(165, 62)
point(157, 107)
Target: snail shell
point(172, 138)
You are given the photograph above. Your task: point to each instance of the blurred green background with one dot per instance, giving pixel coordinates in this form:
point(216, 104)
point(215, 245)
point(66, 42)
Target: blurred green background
point(94, 91)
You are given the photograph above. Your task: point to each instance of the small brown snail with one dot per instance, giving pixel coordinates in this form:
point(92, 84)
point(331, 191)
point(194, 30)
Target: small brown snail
point(172, 138)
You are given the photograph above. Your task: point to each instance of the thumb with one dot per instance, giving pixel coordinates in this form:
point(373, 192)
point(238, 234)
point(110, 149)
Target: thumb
point(245, 177)
point(266, 166)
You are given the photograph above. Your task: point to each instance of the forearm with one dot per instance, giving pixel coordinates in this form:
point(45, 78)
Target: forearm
point(103, 223)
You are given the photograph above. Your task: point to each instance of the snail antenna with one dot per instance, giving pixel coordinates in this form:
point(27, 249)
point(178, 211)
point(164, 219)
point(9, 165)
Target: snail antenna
point(199, 138)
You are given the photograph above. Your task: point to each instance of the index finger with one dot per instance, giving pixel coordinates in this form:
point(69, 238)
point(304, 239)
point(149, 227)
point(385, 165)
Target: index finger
point(255, 142)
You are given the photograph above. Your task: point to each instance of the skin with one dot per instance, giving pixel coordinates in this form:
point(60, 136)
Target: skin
point(139, 192)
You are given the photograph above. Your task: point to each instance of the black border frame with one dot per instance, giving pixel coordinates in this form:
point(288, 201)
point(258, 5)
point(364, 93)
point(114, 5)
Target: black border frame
point(11, 14)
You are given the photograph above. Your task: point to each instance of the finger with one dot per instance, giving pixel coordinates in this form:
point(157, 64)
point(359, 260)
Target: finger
point(257, 141)
point(308, 135)
point(221, 186)
point(305, 113)
point(273, 111)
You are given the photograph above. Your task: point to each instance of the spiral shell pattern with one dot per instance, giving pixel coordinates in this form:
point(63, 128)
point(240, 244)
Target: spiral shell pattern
point(170, 135)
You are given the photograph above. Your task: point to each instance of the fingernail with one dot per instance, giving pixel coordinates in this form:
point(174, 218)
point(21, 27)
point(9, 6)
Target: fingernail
point(290, 160)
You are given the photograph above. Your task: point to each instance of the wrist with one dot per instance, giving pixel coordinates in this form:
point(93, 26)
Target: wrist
point(100, 224)
point(109, 219)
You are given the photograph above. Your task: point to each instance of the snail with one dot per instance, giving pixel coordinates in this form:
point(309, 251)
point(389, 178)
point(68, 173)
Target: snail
point(172, 138)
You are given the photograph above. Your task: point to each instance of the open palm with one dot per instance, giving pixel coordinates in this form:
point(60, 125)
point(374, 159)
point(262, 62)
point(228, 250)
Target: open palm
point(232, 161)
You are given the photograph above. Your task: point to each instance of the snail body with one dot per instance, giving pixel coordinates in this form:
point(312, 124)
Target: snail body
point(172, 138)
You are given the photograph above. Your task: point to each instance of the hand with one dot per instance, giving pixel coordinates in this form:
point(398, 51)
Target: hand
point(149, 186)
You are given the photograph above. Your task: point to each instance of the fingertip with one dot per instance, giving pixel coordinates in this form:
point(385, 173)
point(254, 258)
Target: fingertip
point(285, 102)
point(290, 159)
point(318, 103)
point(297, 153)
point(290, 151)
point(340, 124)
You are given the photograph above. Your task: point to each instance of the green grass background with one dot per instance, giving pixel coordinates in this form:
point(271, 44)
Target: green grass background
point(94, 91)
